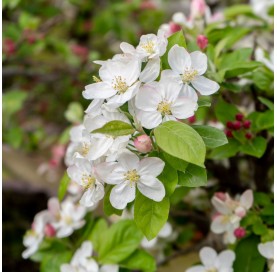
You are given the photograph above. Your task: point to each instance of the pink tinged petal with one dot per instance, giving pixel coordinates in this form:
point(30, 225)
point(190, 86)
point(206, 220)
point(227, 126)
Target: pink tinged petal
point(183, 108)
point(204, 85)
point(199, 62)
point(151, 167)
point(197, 268)
point(170, 90)
point(208, 256)
point(179, 59)
point(53, 206)
point(149, 119)
point(218, 226)
point(246, 199)
point(128, 160)
point(226, 259)
point(220, 205)
point(122, 194)
point(98, 90)
point(151, 71)
point(151, 187)
point(148, 97)
point(189, 92)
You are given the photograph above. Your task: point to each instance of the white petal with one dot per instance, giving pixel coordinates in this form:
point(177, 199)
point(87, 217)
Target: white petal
point(100, 147)
point(91, 266)
point(128, 160)
point(218, 226)
point(127, 48)
point(208, 256)
point(167, 75)
point(267, 249)
point(197, 268)
point(98, 90)
point(149, 119)
point(149, 244)
point(183, 108)
point(226, 259)
point(151, 167)
point(148, 97)
point(151, 71)
point(246, 199)
point(122, 194)
point(151, 187)
point(92, 196)
point(165, 231)
point(199, 62)
point(65, 231)
point(67, 268)
point(104, 169)
point(109, 268)
point(220, 205)
point(170, 90)
point(188, 92)
point(204, 85)
point(179, 59)
point(117, 176)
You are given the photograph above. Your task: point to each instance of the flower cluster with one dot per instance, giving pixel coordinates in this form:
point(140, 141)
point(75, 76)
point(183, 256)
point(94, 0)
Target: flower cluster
point(127, 91)
point(229, 214)
point(59, 220)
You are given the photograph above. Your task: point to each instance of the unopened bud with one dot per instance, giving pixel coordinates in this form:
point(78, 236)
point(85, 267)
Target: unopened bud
point(49, 230)
point(202, 41)
point(197, 8)
point(239, 232)
point(174, 27)
point(220, 195)
point(143, 143)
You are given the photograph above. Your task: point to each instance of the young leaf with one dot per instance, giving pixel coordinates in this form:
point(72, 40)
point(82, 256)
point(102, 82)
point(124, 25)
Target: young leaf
point(255, 147)
point(211, 136)
point(176, 38)
point(63, 186)
point(181, 141)
point(119, 242)
point(150, 216)
point(248, 258)
point(140, 260)
point(194, 176)
point(115, 128)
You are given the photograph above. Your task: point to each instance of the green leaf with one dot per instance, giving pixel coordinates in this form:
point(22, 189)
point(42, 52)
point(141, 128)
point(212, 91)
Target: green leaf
point(63, 186)
point(52, 262)
point(174, 162)
point(262, 199)
point(119, 242)
point(265, 120)
point(115, 128)
point(263, 78)
point(225, 112)
point(204, 101)
point(181, 141)
point(211, 136)
point(13, 102)
point(176, 38)
point(179, 195)
point(225, 151)
point(267, 102)
point(237, 69)
point(248, 258)
point(139, 260)
point(99, 230)
point(259, 228)
point(169, 178)
point(237, 10)
point(194, 176)
point(255, 147)
point(74, 112)
point(108, 208)
point(150, 216)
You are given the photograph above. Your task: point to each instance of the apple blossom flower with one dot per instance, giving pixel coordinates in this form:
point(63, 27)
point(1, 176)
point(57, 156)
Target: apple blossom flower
point(260, 8)
point(162, 101)
point(187, 70)
point(211, 261)
point(143, 143)
point(119, 82)
point(83, 172)
point(181, 19)
point(267, 251)
point(268, 62)
point(197, 8)
point(82, 260)
point(130, 172)
point(202, 41)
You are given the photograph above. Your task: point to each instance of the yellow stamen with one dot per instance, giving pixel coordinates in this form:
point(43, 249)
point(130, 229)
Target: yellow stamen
point(189, 75)
point(96, 79)
point(120, 85)
point(164, 108)
point(85, 149)
point(88, 181)
point(149, 47)
point(132, 175)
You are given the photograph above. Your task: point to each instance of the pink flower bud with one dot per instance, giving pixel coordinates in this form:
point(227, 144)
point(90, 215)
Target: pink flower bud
point(49, 230)
point(239, 232)
point(143, 143)
point(220, 195)
point(192, 119)
point(80, 51)
point(197, 8)
point(240, 212)
point(202, 41)
point(9, 47)
point(174, 27)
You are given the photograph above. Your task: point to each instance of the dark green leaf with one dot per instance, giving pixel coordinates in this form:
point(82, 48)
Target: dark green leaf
point(194, 176)
point(225, 151)
point(255, 147)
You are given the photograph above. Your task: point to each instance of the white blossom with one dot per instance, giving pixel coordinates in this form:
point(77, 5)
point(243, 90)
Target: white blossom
point(267, 251)
point(128, 173)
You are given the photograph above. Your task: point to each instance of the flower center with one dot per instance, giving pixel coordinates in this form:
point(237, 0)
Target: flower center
point(120, 85)
point(212, 270)
point(68, 220)
point(132, 175)
point(149, 47)
point(164, 108)
point(88, 181)
point(189, 75)
point(85, 149)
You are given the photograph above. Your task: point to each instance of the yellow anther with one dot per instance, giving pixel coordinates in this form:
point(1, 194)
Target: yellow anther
point(120, 85)
point(88, 181)
point(164, 108)
point(84, 149)
point(189, 75)
point(132, 175)
point(149, 47)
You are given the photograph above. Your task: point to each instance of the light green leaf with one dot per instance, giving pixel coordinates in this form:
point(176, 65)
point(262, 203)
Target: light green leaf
point(225, 151)
point(119, 242)
point(237, 10)
point(52, 262)
point(211, 136)
point(13, 102)
point(140, 260)
point(115, 128)
point(204, 101)
point(248, 258)
point(255, 147)
point(265, 120)
point(267, 102)
point(237, 69)
point(150, 216)
point(176, 38)
point(194, 176)
point(63, 186)
point(99, 230)
point(263, 78)
point(181, 141)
